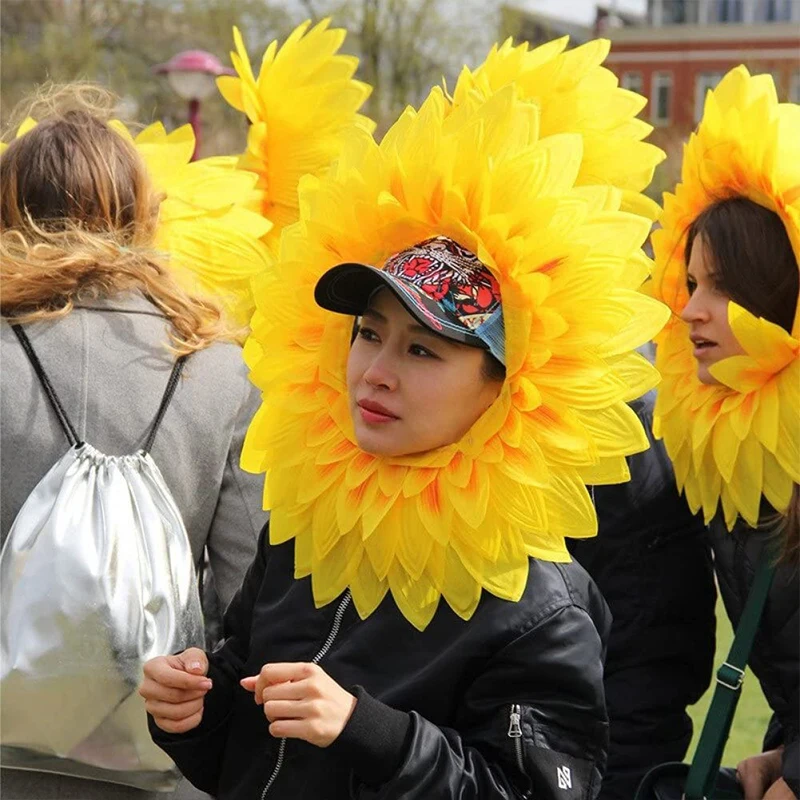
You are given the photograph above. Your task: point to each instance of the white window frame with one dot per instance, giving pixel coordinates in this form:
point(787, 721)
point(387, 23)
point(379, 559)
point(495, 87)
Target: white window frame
point(661, 80)
point(633, 80)
point(703, 81)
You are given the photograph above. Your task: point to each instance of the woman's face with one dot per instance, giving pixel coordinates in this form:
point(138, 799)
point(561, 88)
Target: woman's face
point(707, 314)
point(410, 390)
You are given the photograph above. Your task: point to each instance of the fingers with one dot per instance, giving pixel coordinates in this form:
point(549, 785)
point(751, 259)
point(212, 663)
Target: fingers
point(157, 692)
point(272, 674)
point(286, 709)
point(174, 711)
point(179, 726)
point(291, 729)
point(194, 661)
point(280, 673)
point(170, 671)
point(291, 690)
point(174, 689)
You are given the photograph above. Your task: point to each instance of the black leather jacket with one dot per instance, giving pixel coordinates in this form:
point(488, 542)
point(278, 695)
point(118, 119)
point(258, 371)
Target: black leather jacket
point(507, 705)
point(775, 657)
point(652, 561)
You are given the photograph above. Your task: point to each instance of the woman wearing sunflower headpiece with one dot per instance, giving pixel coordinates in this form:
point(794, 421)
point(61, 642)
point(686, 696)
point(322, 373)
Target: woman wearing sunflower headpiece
point(413, 625)
point(727, 265)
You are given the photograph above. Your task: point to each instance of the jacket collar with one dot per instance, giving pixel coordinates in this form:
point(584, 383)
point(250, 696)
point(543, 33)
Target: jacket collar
point(133, 302)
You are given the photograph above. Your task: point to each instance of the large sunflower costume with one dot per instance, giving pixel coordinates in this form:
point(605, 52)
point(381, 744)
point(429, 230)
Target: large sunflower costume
point(464, 517)
point(734, 442)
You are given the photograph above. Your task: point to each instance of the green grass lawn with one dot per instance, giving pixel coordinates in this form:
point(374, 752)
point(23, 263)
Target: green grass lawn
point(752, 714)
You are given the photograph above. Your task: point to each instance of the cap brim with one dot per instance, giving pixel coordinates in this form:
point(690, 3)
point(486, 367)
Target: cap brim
point(347, 289)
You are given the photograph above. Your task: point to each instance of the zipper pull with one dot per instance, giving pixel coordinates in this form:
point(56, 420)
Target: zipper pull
point(514, 730)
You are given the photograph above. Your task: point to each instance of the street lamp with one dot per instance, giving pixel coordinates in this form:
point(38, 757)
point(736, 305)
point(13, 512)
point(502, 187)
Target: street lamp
point(192, 74)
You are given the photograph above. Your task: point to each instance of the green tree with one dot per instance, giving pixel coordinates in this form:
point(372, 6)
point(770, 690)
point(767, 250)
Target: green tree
point(407, 46)
point(117, 42)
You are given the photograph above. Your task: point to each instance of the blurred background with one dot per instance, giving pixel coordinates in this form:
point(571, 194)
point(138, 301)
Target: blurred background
point(671, 51)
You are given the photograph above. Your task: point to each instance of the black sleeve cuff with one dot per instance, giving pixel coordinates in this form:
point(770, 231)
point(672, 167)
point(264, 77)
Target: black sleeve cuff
point(773, 738)
point(373, 741)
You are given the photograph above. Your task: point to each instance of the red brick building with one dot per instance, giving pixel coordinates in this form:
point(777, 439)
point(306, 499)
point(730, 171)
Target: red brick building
point(684, 48)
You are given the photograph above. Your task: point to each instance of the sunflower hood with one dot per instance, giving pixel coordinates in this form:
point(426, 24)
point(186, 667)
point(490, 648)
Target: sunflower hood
point(214, 243)
point(464, 518)
point(734, 442)
point(300, 107)
point(575, 93)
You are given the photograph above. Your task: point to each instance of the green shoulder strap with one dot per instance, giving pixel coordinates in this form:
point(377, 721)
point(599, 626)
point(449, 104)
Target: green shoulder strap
point(703, 773)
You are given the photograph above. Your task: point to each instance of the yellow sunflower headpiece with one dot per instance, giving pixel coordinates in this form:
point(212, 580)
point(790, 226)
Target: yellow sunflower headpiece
point(213, 244)
point(464, 517)
point(575, 93)
point(300, 106)
point(739, 440)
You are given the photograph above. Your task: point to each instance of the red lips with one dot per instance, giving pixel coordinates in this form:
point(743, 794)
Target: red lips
point(375, 412)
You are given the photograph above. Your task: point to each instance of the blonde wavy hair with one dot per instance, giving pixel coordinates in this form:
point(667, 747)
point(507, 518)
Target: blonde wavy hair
point(77, 219)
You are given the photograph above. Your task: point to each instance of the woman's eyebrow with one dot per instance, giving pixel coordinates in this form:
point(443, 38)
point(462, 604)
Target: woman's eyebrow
point(371, 312)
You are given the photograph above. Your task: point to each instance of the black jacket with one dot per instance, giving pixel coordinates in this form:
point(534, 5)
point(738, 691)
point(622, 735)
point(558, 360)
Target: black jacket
point(652, 562)
point(437, 710)
point(775, 657)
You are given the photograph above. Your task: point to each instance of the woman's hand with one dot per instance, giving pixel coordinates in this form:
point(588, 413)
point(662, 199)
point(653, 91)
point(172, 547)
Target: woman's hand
point(780, 791)
point(174, 688)
point(759, 775)
point(301, 702)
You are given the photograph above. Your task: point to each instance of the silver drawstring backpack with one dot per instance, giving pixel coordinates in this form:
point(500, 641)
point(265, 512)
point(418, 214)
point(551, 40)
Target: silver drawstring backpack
point(96, 577)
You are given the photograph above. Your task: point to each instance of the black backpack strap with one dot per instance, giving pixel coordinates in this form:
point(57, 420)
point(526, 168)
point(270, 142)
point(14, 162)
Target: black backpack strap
point(165, 401)
point(63, 419)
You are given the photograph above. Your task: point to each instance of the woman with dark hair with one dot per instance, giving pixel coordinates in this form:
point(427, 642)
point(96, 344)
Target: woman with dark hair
point(411, 626)
point(92, 314)
point(727, 264)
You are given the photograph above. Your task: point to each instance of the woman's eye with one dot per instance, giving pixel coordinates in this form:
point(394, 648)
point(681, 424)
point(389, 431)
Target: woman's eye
point(419, 350)
point(691, 285)
point(367, 334)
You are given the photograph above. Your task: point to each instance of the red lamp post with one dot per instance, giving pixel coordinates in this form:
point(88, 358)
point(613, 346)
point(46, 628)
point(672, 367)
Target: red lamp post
point(192, 75)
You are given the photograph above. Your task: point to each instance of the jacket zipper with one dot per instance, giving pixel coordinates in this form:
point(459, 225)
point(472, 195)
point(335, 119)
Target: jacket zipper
point(323, 651)
point(515, 733)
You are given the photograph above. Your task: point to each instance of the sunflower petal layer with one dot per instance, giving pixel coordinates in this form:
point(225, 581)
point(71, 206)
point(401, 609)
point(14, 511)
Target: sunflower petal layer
point(465, 518)
point(300, 106)
point(575, 93)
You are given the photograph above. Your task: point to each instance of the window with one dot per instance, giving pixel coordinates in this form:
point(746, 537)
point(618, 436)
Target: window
point(794, 87)
point(674, 11)
point(680, 12)
point(703, 82)
point(773, 10)
point(727, 11)
point(632, 81)
point(661, 98)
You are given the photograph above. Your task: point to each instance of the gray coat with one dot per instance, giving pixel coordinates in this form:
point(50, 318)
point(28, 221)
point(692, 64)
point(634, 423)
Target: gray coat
point(109, 365)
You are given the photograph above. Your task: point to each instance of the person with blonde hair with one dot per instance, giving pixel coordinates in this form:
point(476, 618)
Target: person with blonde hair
point(95, 332)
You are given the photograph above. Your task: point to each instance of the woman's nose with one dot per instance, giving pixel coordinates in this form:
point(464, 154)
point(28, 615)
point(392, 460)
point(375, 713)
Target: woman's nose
point(695, 310)
point(380, 375)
